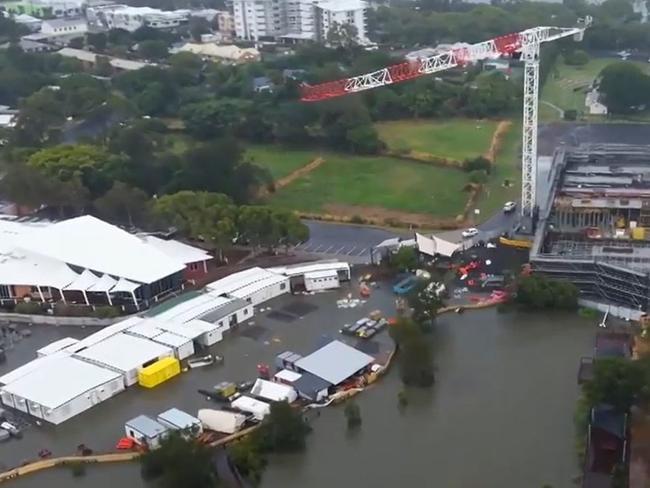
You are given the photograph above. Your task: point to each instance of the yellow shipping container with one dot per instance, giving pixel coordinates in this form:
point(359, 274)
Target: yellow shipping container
point(638, 233)
point(159, 372)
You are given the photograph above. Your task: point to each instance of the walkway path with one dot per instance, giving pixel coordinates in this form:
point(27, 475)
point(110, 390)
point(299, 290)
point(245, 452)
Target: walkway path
point(554, 107)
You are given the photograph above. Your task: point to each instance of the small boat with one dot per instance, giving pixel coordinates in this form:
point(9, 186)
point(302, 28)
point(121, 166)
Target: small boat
point(204, 361)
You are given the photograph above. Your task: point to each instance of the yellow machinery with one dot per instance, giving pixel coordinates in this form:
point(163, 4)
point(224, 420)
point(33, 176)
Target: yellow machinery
point(159, 372)
point(638, 233)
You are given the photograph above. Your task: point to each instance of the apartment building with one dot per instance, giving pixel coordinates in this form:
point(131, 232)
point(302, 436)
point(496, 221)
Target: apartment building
point(297, 20)
point(132, 18)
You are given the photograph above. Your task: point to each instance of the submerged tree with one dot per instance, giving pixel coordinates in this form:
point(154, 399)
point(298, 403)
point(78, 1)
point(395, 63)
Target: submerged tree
point(283, 430)
point(180, 462)
point(415, 353)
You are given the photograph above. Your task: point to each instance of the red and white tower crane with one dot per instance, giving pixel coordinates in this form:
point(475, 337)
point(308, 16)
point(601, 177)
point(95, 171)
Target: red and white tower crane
point(526, 42)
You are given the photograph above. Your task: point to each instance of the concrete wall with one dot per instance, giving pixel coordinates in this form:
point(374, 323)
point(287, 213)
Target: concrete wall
point(19, 318)
point(614, 311)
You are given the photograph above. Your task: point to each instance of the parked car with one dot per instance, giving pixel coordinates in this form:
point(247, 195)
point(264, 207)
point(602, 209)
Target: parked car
point(509, 207)
point(471, 232)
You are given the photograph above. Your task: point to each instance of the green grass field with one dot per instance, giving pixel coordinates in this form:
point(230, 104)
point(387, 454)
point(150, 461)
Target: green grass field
point(565, 86)
point(375, 182)
point(507, 167)
point(279, 161)
point(456, 139)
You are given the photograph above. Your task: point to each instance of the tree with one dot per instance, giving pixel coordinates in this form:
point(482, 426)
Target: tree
point(76, 43)
point(625, 87)
point(415, 353)
point(352, 414)
point(214, 118)
point(283, 430)
point(405, 259)
point(537, 292)
point(151, 49)
point(576, 57)
point(267, 227)
point(247, 456)
point(618, 382)
point(179, 462)
point(98, 41)
point(479, 163)
point(91, 165)
point(342, 35)
point(103, 66)
point(124, 204)
point(200, 215)
point(425, 303)
point(41, 117)
point(364, 139)
point(197, 27)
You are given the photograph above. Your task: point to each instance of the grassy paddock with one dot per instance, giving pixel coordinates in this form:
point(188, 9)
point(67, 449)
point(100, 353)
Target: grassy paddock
point(566, 86)
point(376, 182)
point(455, 139)
point(279, 161)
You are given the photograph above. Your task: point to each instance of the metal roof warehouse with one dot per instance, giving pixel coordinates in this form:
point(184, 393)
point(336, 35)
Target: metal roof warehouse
point(334, 362)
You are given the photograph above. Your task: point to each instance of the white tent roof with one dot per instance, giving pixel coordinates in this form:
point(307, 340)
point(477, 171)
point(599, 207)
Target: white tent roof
point(125, 352)
point(84, 281)
point(434, 245)
point(123, 285)
point(104, 284)
point(60, 381)
point(177, 250)
point(19, 267)
point(90, 243)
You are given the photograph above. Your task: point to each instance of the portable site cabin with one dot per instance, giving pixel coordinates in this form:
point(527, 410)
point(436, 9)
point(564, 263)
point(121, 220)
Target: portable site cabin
point(182, 346)
point(125, 354)
point(254, 285)
point(320, 275)
point(210, 307)
point(287, 360)
point(221, 420)
point(159, 372)
point(275, 392)
point(56, 346)
point(257, 408)
point(145, 431)
point(61, 388)
point(204, 333)
point(176, 419)
point(286, 377)
point(322, 280)
point(311, 387)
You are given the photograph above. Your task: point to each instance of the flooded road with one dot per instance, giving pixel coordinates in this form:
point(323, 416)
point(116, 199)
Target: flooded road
point(500, 414)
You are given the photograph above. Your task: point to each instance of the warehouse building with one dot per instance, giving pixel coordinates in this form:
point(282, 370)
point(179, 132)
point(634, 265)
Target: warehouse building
point(335, 362)
point(254, 285)
point(125, 354)
point(42, 393)
point(87, 261)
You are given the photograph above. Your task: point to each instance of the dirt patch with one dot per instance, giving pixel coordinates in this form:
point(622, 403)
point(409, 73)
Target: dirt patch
point(294, 175)
point(382, 216)
point(497, 140)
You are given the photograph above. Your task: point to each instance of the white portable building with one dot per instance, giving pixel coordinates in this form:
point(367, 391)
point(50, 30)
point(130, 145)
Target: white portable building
point(56, 346)
point(286, 376)
point(254, 285)
point(103, 334)
point(204, 333)
point(322, 280)
point(29, 367)
point(182, 346)
point(125, 354)
point(221, 420)
point(176, 419)
point(275, 392)
point(297, 270)
point(61, 389)
point(146, 431)
point(146, 329)
point(257, 408)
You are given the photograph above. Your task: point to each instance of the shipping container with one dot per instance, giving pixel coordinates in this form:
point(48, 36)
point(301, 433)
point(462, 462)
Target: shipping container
point(159, 372)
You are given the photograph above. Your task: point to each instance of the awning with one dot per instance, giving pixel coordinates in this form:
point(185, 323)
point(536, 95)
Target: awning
point(104, 284)
point(83, 281)
point(434, 245)
point(124, 285)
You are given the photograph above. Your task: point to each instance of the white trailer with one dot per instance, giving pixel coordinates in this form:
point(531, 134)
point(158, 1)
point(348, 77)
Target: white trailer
point(257, 408)
point(322, 280)
point(221, 420)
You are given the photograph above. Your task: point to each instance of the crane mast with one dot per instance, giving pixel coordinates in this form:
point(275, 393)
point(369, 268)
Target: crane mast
point(526, 42)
